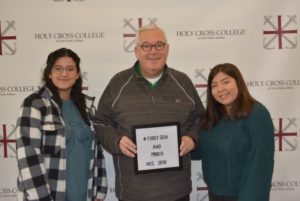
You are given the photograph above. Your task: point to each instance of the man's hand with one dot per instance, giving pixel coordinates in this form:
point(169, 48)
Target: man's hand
point(127, 147)
point(187, 144)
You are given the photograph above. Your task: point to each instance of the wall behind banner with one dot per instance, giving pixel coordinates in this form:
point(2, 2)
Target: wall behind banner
point(260, 37)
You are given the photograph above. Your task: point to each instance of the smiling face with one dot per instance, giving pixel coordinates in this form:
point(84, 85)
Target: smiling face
point(224, 89)
point(64, 74)
point(152, 62)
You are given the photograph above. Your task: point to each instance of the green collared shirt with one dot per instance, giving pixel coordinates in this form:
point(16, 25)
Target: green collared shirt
point(138, 70)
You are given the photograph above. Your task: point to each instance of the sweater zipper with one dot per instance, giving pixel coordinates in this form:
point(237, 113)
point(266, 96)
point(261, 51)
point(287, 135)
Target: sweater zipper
point(153, 100)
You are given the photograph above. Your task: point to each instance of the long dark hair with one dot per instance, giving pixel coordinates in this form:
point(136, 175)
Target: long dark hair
point(76, 95)
point(240, 108)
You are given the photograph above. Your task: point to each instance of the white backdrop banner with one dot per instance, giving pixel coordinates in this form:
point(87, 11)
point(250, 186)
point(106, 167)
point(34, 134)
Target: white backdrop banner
point(260, 37)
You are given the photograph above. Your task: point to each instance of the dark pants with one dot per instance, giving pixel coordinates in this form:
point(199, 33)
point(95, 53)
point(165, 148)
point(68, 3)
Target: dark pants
point(213, 197)
point(185, 198)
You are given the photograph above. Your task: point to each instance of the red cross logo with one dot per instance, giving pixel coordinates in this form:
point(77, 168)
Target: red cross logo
point(281, 32)
point(4, 38)
point(281, 134)
point(5, 141)
point(199, 73)
point(128, 24)
point(203, 189)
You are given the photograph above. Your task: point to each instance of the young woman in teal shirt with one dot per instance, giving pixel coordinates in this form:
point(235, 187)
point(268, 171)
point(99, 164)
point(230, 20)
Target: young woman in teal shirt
point(236, 144)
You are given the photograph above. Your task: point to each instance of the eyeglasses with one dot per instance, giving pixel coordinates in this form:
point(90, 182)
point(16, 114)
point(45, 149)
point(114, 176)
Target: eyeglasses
point(147, 47)
point(59, 69)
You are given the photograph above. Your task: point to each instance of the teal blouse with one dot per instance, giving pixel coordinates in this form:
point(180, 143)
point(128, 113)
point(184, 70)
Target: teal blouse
point(78, 143)
point(238, 156)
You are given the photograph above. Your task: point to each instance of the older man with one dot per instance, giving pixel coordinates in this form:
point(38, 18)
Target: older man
point(150, 92)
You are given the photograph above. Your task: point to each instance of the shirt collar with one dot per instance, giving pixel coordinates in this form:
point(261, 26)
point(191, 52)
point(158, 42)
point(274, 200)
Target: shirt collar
point(138, 73)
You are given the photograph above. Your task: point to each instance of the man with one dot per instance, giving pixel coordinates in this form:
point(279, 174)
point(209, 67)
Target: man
point(150, 92)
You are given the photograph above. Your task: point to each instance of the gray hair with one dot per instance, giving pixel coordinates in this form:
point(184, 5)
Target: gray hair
point(151, 26)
